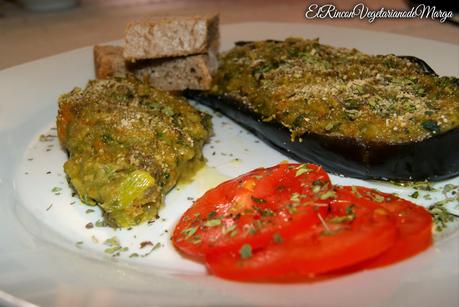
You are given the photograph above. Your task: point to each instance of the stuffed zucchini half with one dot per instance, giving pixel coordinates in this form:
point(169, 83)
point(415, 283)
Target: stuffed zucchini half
point(371, 117)
point(128, 145)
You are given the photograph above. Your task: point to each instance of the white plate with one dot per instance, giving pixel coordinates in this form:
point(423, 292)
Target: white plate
point(41, 261)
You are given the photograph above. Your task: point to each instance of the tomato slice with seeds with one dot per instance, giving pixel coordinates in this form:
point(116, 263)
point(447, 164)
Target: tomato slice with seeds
point(349, 233)
point(254, 209)
point(413, 223)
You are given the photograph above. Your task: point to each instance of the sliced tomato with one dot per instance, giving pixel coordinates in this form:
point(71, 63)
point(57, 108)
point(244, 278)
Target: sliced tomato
point(350, 233)
point(254, 209)
point(413, 222)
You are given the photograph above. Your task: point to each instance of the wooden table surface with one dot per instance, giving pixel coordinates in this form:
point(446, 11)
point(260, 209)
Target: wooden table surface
point(27, 35)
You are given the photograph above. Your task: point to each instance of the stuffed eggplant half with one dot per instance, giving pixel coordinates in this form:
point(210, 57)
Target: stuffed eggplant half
point(364, 116)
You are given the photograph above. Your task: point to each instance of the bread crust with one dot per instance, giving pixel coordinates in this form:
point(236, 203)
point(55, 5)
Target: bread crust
point(171, 74)
point(109, 61)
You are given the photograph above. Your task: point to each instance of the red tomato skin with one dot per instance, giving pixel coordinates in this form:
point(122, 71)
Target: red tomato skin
point(269, 191)
point(385, 228)
point(312, 253)
point(413, 222)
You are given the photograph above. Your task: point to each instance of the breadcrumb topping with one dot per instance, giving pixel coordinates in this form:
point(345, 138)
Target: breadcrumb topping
point(310, 87)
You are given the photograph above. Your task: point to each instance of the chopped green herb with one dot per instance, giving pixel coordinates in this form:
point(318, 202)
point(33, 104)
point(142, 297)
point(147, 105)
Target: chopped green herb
point(107, 138)
point(155, 247)
point(188, 232)
point(447, 188)
point(425, 186)
point(252, 230)
point(89, 211)
point(350, 210)
point(196, 239)
point(101, 223)
point(295, 197)
point(113, 241)
point(46, 138)
point(377, 198)
point(291, 209)
point(431, 126)
point(267, 212)
point(258, 200)
point(245, 251)
point(168, 111)
point(327, 195)
point(115, 247)
point(349, 217)
point(302, 169)
point(228, 229)
point(316, 188)
point(56, 189)
point(356, 192)
point(441, 216)
point(415, 194)
point(213, 222)
point(329, 127)
point(112, 250)
point(277, 238)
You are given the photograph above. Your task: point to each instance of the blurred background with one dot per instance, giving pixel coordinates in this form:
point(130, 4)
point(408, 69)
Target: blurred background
point(31, 29)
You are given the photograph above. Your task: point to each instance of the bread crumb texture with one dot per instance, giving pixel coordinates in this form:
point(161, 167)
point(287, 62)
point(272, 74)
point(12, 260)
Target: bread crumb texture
point(170, 37)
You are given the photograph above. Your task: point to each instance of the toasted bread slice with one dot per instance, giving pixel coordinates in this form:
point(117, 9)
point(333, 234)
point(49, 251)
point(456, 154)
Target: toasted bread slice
point(171, 37)
point(171, 74)
point(109, 61)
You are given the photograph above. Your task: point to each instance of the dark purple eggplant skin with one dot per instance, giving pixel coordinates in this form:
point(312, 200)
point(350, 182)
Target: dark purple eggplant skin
point(434, 159)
